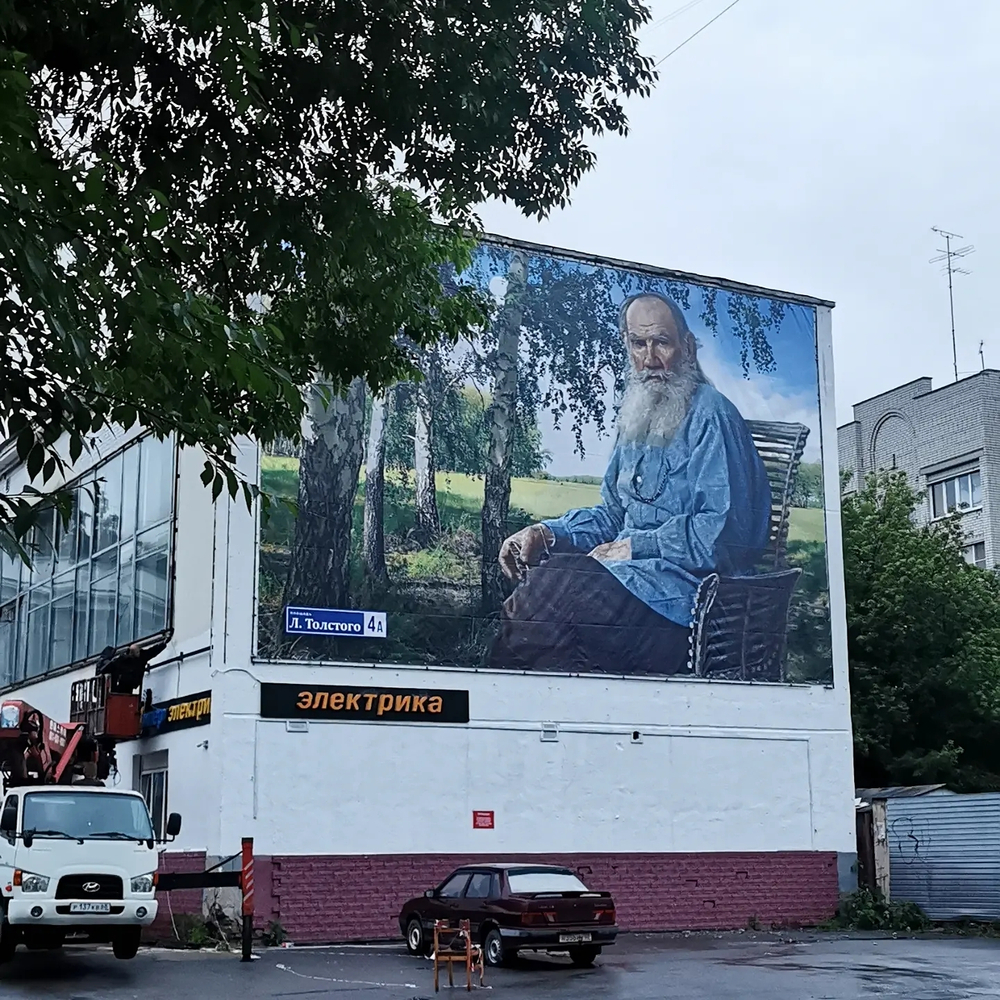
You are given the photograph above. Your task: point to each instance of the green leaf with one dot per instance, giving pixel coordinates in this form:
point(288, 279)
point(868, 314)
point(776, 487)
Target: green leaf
point(94, 185)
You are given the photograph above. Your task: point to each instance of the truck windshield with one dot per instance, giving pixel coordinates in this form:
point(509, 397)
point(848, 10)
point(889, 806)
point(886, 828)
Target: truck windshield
point(86, 815)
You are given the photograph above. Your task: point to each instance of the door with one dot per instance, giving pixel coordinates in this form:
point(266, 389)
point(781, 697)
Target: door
point(478, 894)
point(447, 901)
point(8, 836)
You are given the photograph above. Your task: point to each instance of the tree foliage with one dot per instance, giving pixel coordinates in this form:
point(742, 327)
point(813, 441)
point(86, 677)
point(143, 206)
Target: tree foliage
point(571, 345)
point(203, 202)
point(924, 631)
point(460, 435)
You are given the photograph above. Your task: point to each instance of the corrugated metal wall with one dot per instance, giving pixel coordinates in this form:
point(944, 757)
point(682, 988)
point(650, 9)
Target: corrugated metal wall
point(944, 853)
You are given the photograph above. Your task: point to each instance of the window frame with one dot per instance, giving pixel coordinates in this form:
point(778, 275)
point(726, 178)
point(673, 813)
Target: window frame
point(955, 482)
point(157, 817)
point(489, 876)
point(455, 875)
point(29, 597)
point(15, 800)
point(970, 551)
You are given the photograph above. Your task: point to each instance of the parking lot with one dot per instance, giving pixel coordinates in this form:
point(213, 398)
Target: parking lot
point(640, 967)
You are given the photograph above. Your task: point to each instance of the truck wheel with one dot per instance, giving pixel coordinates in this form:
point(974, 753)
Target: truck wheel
point(583, 957)
point(493, 949)
point(125, 943)
point(9, 938)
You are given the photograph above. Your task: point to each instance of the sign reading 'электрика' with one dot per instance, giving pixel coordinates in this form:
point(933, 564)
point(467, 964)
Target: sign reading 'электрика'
point(370, 704)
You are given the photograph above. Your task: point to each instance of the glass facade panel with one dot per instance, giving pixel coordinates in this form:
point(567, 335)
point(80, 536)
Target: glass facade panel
point(100, 580)
point(10, 577)
point(109, 503)
point(62, 617)
point(81, 614)
point(156, 481)
point(126, 593)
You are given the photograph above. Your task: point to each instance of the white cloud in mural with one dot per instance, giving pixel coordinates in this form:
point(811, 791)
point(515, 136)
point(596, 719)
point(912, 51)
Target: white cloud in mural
point(762, 397)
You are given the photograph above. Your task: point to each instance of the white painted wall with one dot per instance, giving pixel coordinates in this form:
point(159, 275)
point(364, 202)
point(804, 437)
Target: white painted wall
point(721, 767)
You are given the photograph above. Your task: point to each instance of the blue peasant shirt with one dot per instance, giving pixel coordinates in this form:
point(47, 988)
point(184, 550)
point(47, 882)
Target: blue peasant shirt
point(697, 505)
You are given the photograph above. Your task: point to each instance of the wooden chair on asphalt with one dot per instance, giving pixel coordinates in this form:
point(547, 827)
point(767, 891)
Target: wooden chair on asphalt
point(455, 945)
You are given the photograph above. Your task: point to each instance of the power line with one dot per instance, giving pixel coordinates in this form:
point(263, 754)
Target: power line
point(673, 14)
point(698, 32)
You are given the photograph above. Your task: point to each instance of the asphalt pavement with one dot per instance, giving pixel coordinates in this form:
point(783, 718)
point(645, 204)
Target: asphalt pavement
point(639, 967)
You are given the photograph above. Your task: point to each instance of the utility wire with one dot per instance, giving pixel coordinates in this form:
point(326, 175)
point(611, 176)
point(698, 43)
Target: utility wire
point(698, 32)
point(673, 14)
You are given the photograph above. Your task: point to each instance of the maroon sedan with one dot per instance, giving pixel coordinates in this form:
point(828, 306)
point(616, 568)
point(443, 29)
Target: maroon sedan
point(512, 907)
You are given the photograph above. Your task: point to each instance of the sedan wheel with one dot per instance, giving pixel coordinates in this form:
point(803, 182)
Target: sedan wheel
point(493, 950)
point(415, 944)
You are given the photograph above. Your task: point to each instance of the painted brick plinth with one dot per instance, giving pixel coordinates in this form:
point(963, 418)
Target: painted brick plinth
point(328, 898)
point(183, 901)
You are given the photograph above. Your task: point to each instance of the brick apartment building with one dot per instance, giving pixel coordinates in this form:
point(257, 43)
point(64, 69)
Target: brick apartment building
point(947, 441)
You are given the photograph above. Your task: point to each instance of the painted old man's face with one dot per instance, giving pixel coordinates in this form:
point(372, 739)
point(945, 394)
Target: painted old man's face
point(654, 342)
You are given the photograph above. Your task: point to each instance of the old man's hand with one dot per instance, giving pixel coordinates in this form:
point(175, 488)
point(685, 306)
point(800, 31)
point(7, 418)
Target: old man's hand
point(525, 548)
point(611, 551)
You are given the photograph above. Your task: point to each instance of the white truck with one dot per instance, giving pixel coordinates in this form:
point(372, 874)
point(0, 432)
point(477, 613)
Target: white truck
point(77, 858)
point(76, 861)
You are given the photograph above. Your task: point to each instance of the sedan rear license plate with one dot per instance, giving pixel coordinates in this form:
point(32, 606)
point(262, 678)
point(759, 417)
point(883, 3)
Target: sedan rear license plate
point(89, 907)
point(574, 938)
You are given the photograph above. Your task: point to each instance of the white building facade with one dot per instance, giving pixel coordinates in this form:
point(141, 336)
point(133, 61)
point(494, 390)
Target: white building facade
point(698, 803)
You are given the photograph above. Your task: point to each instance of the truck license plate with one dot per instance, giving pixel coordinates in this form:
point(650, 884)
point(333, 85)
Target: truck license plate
point(573, 938)
point(89, 907)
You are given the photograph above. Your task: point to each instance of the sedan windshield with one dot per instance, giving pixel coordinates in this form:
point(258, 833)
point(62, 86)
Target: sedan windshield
point(543, 880)
point(86, 815)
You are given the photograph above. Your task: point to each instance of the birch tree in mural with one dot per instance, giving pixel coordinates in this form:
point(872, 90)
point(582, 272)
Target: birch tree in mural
point(427, 519)
point(332, 452)
point(501, 421)
point(373, 543)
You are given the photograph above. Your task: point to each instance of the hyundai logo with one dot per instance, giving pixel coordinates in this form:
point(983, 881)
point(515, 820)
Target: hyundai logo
point(91, 886)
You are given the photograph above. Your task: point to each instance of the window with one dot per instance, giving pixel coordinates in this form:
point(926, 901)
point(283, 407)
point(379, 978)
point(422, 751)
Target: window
point(976, 554)
point(452, 889)
point(149, 773)
point(102, 580)
point(81, 815)
point(8, 820)
point(479, 886)
point(530, 880)
point(960, 493)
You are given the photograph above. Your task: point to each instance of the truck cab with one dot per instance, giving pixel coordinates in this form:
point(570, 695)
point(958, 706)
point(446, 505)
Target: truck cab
point(76, 860)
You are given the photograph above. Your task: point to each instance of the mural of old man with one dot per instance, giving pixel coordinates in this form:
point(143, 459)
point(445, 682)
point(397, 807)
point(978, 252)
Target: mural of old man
point(610, 588)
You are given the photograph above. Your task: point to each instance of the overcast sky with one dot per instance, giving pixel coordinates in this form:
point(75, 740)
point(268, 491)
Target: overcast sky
point(810, 145)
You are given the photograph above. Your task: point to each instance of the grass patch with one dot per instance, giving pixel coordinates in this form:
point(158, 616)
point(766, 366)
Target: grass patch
point(864, 910)
point(806, 524)
point(460, 500)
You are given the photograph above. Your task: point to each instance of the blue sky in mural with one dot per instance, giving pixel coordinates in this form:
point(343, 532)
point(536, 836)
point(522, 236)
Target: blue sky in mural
point(788, 393)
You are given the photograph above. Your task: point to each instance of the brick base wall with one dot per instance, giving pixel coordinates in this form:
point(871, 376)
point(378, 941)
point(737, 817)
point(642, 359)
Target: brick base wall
point(183, 901)
point(327, 898)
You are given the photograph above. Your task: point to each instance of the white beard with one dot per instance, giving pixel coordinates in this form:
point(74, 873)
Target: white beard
point(654, 406)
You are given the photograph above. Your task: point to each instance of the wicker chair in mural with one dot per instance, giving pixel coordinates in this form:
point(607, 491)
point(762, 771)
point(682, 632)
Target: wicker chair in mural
point(740, 626)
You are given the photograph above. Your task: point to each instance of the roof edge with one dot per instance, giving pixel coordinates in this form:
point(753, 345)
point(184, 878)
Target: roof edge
point(663, 272)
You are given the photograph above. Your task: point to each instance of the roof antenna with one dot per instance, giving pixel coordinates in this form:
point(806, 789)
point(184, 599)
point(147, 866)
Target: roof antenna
point(948, 256)
point(982, 359)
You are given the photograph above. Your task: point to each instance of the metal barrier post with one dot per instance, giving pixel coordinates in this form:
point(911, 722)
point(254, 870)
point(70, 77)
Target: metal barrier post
point(247, 886)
